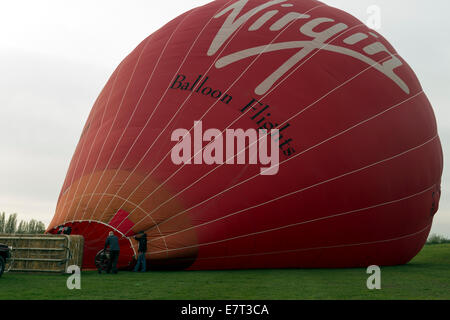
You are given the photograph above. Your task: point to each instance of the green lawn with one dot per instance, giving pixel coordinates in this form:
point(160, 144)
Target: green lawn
point(426, 277)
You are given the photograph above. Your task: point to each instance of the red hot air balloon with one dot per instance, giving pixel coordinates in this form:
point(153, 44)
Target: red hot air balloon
point(360, 161)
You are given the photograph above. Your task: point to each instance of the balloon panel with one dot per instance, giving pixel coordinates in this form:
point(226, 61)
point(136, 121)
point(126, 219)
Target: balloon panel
point(360, 161)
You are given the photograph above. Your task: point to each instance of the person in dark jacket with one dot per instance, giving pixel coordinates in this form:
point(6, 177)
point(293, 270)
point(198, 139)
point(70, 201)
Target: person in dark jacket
point(142, 249)
point(114, 250)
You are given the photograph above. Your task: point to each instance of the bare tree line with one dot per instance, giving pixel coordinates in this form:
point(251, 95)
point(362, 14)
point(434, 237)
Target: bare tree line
point(11, 225)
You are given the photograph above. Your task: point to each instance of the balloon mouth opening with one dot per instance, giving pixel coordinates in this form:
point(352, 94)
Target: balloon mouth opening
point(95, 234)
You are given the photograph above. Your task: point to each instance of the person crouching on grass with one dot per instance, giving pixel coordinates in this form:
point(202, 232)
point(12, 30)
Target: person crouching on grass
point(141, 263)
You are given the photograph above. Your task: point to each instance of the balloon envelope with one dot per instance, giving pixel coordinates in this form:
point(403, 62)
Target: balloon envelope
point(360, 161)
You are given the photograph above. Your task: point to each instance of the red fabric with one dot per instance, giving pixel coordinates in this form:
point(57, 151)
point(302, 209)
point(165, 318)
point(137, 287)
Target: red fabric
point(121, 222)
point(359, 179)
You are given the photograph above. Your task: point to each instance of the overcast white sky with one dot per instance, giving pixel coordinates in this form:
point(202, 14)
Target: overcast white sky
point(56, 55)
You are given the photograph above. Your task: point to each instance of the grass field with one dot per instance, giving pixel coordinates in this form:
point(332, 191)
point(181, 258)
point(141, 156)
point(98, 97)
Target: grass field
point(427, 276)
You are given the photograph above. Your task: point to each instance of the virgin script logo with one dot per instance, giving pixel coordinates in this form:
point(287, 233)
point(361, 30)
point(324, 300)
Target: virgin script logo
point(235, 19)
